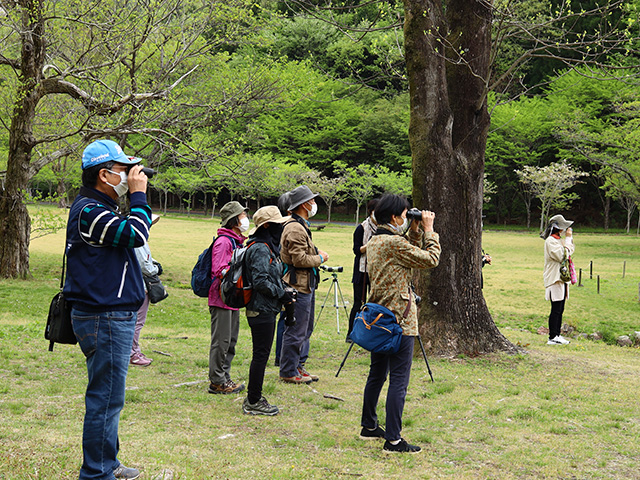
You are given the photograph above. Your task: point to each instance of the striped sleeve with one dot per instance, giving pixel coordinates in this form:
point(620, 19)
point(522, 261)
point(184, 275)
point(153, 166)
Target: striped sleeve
point(98, 225)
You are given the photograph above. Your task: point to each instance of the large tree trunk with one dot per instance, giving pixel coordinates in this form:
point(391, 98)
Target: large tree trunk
point(15, 224)
point(448, 131)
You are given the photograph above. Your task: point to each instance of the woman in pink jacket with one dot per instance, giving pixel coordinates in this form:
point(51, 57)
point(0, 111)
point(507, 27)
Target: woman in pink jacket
point(225, 321)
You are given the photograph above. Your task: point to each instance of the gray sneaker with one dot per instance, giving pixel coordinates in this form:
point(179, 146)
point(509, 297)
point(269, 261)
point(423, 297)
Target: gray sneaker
point(261, 407)
point(126, 472)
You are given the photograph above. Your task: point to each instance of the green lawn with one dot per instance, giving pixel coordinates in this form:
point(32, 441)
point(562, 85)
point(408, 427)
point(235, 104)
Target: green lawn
point(556, 412)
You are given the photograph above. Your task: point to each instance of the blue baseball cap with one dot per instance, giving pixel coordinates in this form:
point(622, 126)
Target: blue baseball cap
point(102, 151)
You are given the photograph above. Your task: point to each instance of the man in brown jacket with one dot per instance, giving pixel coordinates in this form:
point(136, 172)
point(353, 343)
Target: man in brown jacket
point(301, 259)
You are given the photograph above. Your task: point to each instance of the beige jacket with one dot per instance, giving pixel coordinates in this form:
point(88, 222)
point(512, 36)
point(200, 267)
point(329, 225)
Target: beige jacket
point(390, 259)
point(297, 249)
point(553, 254)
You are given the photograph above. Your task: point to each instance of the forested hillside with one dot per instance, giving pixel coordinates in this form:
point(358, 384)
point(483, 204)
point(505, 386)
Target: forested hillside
point(236, 99)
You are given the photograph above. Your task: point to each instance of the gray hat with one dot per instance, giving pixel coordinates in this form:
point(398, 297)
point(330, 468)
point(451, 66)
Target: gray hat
point(283, 202)
point(300, 195)
point(267, 214)
point(230, 210)
point(561, 222)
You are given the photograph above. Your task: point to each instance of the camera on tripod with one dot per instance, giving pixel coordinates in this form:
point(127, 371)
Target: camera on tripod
point(331, 269)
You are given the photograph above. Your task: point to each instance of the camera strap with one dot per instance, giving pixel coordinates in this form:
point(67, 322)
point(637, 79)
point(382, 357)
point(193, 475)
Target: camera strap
point(408, 309)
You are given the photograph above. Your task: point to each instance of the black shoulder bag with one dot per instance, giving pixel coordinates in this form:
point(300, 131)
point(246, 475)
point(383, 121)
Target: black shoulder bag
point(59, 328)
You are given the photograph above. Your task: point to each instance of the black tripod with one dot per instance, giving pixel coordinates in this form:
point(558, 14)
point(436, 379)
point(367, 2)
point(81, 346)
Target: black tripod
point(424, 355)
point(335, 286)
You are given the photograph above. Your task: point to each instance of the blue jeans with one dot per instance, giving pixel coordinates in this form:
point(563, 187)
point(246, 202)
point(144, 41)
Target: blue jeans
point(296, 339)
point(398, 365)
point(105, 339)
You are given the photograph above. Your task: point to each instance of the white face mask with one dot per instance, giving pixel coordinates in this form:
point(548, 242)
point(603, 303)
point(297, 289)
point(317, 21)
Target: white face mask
point(123, 187)
point(244, 224)
point(400, 228)
point(313, 211)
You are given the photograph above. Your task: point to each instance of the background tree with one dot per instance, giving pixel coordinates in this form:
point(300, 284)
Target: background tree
point(449, 53)
point(549, 185)
point(111, 61)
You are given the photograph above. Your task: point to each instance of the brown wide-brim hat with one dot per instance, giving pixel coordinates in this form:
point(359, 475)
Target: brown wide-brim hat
point(230, 210)
point(268, 214)
point(300, 195)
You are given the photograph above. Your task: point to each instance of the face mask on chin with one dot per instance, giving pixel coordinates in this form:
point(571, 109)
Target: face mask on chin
point(244, 224)
point(121, 188)
point(400, 229)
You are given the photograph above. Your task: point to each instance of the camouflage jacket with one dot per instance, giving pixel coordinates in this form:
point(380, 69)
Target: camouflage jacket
point(390, 259)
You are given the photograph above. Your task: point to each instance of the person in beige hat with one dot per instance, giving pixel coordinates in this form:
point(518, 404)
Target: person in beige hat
point(264, 271)
point(225, 321)
point(556, 291)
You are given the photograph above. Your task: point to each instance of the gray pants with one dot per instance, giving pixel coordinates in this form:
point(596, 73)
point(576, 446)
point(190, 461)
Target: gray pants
point(225, 325)
point(295, 339)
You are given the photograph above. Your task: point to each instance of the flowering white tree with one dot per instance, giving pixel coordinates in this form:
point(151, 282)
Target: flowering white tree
point(550, 184)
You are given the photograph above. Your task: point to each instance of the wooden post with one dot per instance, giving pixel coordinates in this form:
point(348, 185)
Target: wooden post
point(590, 269)
point(580, 278)
point(624, 268)
point(598, 284)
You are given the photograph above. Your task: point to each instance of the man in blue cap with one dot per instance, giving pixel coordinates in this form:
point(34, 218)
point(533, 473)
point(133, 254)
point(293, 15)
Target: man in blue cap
point(105, 287)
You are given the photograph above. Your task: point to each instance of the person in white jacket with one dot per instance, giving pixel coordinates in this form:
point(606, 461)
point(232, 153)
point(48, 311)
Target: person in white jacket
point(556, 249)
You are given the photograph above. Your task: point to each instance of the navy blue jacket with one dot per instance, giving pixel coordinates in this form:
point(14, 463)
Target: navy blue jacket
point(103, 273)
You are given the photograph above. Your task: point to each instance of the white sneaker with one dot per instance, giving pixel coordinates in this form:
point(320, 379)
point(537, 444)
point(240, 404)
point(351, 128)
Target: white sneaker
point(558, 340)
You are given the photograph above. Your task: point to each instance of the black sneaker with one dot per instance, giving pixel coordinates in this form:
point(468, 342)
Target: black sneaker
point(261, 407)
point(126, 472)
point(402, 447)
point(366, 434)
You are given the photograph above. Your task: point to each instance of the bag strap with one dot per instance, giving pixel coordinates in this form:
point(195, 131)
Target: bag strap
point(406, 310)
point(64, 258)
point(369, 325)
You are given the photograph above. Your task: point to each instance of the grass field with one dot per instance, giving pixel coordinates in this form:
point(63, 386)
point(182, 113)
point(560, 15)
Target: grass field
point(556, 412)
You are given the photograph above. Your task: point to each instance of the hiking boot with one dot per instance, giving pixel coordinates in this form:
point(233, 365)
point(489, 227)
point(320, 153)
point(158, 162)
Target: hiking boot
point(297, 379)
point(402, 447)
point(376, 433)
point(236, 388)
point(261, 407)
point(140, 360)
point(306, 375)
point(126, 472)
point(225, 388)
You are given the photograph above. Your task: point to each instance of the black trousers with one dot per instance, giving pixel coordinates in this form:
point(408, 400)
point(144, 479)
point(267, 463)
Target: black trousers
point(359, 295)
point(555, 317)
point(262, 338)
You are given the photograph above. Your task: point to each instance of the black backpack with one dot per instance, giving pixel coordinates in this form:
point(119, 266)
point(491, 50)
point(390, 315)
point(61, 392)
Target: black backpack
point(236, 287)
point(201, 274)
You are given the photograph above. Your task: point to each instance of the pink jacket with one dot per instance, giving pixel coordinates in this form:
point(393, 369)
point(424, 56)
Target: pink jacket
point(220, 256)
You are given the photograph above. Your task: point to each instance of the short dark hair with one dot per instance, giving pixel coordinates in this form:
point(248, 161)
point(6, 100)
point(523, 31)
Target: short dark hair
point(389, 205)
point(90, 175)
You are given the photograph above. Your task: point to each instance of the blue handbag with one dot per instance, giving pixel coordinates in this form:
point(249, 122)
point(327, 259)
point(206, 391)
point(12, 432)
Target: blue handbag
point(376, 329)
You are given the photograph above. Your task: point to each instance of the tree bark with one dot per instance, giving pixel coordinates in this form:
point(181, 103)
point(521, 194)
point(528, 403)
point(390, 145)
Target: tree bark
point(15, 223)
point(448, 128)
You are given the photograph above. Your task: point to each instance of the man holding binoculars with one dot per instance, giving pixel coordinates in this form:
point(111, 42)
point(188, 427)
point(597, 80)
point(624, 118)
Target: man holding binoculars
point(301, 259)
